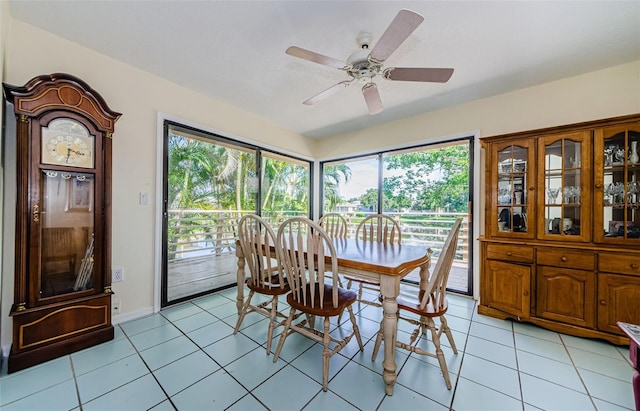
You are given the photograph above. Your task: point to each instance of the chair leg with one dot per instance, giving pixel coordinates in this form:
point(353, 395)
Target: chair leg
point(376, 347)
point(272, 321)
point(356, 330)
point(243, 312)
point(445, 327)
point(439, 354)
point(326, 354)
point(284, 334)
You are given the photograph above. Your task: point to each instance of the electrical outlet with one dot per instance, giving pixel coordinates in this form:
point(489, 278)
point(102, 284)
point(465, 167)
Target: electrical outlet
point(115, 307)
point(117, 274)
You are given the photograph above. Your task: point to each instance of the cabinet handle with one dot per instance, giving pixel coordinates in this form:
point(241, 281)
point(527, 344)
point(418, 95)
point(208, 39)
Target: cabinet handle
point(603, 302)
point(564, 259)
point(36, 213)
point(531, 188)
point(635, 266)
point(598, 185)
point(526, 293)
point(509, 253)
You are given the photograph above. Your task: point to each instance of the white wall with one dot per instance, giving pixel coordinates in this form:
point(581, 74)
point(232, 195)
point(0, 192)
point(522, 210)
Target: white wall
point(140, 97)
point(601, 94)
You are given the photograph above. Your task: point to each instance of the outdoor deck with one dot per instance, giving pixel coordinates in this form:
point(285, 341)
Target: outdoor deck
point(195, 275)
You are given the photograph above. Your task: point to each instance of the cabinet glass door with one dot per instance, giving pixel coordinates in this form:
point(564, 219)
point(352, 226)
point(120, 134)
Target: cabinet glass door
point(618, 184)
point(565, 186)
point(512, 164)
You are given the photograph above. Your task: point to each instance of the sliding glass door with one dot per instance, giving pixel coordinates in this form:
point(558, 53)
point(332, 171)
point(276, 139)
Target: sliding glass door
point(210, 182)
point(425, 188)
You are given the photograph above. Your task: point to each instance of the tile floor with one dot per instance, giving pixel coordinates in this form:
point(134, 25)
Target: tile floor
point(187, 358)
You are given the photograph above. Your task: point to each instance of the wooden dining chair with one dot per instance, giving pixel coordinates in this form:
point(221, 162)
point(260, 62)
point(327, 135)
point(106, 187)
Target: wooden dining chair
point(266, 276)
point(429, 304)
point(308, 255)
point(335, 225)
point(380, 228)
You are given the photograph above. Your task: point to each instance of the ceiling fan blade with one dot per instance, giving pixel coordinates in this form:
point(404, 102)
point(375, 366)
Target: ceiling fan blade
point(315, 57)
point(433, 75)
point(372, 97)
point(328, 92)
point(405, 22)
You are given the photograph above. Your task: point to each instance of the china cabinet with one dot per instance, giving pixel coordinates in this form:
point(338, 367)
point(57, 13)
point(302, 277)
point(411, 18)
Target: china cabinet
point(62, 290)
point(561, 243)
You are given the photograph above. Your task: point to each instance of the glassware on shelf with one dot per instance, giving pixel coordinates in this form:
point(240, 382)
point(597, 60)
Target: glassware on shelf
point(632, 192)
point(608, 155)
point(571, 195)
point(619, 156)
point(633, 153)
point(616, 191)
point(504, 196)
point(553, 194)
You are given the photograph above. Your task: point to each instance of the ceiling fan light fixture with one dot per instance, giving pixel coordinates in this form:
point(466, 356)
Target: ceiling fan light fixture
point(364, 65)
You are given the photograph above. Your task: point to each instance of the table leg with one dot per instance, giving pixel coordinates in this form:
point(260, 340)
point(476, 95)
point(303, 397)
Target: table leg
point(240, 278)
point(390, 288)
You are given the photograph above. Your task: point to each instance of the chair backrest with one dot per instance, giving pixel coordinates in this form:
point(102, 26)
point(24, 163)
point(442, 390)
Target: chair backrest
point(437, 287)
point(334, 224)
point(256, 238)
point(307, 254)
point(381, 228)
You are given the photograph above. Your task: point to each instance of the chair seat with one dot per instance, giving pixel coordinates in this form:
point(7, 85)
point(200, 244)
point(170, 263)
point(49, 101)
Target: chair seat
point(345, 298)
point(275, 288)
point(413, 305)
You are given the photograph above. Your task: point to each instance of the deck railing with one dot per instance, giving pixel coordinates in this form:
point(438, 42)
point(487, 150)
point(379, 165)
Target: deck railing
point(194, 233)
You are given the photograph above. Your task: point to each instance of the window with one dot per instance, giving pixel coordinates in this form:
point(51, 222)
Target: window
point(425, 188)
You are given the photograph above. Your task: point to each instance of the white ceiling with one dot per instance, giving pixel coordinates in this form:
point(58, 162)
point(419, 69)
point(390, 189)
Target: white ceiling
point(234, 51)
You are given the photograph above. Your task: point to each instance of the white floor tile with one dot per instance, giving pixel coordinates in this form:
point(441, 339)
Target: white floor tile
point(495, 352)
point(58, 397)
point(609, 389)
point(140, 394)
point(473, 396)
point(288, 389)
point(552, 397)
point(542, 347)
point(553, 371)
point(215, 392)
point(502, 379)
point(184, 372)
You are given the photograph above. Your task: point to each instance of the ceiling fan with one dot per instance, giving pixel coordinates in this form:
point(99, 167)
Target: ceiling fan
point(364, 65)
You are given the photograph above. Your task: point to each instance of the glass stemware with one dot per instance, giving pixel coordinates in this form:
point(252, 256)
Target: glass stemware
point(632, 191)
point(617, 192)
point(553, 194)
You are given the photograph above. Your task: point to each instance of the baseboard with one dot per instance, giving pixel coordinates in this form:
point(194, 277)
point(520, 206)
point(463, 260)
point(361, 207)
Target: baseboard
point(132, 315)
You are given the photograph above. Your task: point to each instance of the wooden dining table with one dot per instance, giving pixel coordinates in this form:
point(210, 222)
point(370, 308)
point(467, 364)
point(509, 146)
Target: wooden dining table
point(374, 261)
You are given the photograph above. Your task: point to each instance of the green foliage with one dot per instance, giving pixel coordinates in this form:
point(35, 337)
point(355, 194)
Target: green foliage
point(434, 179)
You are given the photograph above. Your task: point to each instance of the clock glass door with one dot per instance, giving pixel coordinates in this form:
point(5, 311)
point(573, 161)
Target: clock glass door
point(67, 231)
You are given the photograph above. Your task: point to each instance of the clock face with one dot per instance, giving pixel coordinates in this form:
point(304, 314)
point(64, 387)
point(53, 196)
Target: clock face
point(67, 142)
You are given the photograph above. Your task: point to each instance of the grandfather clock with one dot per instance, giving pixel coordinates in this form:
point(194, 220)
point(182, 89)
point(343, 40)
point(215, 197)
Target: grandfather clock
point(62, 297)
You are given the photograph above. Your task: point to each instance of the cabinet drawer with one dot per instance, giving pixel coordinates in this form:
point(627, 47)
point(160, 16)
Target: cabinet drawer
point(619, 263)
point(511, 253)
point(581, 260)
